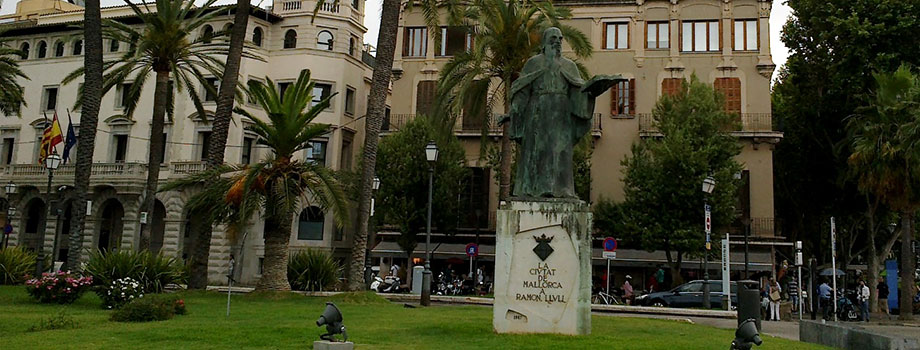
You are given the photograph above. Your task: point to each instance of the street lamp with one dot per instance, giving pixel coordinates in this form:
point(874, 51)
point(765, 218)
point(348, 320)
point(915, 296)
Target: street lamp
point(367, 254)
point(431, 154)
point(52, 162)
point(376, 183)
point(10, 188)
point(708, 184)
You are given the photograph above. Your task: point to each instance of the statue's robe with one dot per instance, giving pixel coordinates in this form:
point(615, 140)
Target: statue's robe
point(549, 114)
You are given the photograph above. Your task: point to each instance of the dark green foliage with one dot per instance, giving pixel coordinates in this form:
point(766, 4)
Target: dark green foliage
point(581, 164)
point(15, 264)
point(60, 320)
point(153, 271)
point(312, 270)
point(12, 96)
point(150, 308)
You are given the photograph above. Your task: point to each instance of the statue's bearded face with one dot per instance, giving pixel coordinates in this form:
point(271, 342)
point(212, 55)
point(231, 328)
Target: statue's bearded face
point(552, 41)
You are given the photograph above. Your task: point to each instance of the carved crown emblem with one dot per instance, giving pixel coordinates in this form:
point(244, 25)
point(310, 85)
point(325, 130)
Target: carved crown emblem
point(543, 249)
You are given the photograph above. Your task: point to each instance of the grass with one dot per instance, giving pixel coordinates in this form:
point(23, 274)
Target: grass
point(287, 321)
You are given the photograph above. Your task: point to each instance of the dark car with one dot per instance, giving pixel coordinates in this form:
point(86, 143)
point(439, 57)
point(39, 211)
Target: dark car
point(689, 294)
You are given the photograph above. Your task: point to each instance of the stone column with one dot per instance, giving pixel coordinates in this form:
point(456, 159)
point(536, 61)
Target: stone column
point(219, 256)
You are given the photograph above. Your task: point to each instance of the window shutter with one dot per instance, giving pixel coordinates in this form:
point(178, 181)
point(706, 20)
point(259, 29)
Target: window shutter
point(632, 96)
point(614, 95)
point(604, 37)
point(405, 50)
point(425, 96)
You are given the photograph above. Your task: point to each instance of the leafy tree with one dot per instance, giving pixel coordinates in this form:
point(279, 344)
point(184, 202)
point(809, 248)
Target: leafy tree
point(403, 170)
point(886, 159)
point(11, 93)
point(275, 187)
point(663, 207)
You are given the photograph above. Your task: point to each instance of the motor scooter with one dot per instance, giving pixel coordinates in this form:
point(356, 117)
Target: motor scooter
point(388, 284)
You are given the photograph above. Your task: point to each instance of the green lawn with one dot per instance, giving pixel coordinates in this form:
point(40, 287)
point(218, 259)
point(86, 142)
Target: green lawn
point(287, 321)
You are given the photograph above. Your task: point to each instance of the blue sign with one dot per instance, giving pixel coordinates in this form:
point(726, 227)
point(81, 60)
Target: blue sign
point(8, 229)
point(472, 249)
point(610, 244)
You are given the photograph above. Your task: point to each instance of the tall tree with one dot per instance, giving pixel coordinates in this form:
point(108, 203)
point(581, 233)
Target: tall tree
point(376, 105)
point(276, 187)
point(164, 47)
point(663, 177)
point(198, 266)
point(91, 97)
point(886, 158)
point(11, 92)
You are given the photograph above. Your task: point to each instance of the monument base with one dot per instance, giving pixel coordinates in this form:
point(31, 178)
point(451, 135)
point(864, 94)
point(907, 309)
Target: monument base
point(330, 345)
point(543, 267)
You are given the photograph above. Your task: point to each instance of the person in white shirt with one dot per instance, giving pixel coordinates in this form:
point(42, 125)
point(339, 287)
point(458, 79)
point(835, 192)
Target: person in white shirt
point(863, 297)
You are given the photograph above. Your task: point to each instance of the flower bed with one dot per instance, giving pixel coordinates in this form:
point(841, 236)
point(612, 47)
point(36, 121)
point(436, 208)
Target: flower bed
point(58, 287)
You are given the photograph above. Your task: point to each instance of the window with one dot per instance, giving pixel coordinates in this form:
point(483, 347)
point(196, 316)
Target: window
point(351, 46)
point(24, 48)
point(282, 87)
point(59, 49)
point(316, 153)
point(731, 89)
point(210, 95)
point(320, 92)
point(246, 153)
point(257, 36)
point(657, 35)
point(77, 47)
point(694, 287)
point(355, 4)
point(310, 224)
point(170, 97)
point(121, 148)
point(349, 101)
point(113, 45)
point(454, 40)
point(42, 49)
point(745, 35)
point(346, 151)
point(290, 39)
point(123, 95)
point(424, 96)
point(415, 42)
point(7, 156)
point(616, 36)
point(700, 36)
point(671, 86)
point(249, 96)
point(164, 148)
point(623, 96)
point(324, 40)
point(204, 138)
point(207, 34)
point(51, 94)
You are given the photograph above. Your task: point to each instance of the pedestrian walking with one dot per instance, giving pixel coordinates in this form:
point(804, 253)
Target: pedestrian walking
point(824, 295)
point(883, 296)
point(862, 295)
point(773, 292)
point(628, 294)
point(792, 287)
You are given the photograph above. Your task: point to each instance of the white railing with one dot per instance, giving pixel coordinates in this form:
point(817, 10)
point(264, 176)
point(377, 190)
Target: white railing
point(30, 171)
point(291, 5)
point(329, 7)
point(188, 167)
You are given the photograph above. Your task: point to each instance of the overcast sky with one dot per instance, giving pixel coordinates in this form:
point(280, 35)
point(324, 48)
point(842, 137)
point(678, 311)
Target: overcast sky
point(372, 22)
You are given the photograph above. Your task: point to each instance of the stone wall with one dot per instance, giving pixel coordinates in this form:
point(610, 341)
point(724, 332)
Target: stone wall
point(852, 337)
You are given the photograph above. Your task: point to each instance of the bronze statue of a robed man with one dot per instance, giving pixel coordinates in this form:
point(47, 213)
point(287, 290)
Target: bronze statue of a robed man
point(552, 108)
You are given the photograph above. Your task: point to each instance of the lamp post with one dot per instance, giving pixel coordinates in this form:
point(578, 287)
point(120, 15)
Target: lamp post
point(708, 184)
point(367, 253)
point(10, 188)
point(51, 163)
point(431, 154)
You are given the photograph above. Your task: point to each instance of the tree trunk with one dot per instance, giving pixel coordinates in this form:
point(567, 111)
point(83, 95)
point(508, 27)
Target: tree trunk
point(198, 264)
point(907, 267)
point(89, 119)
point(274, 266)
point(386, 47)
point(156, 153)
point(504, 183)
point(872, 274)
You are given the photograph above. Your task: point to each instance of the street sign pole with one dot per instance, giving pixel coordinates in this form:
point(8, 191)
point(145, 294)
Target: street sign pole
point(834, 264)
point(608, 276)
point(610, 253)
point(726, 272)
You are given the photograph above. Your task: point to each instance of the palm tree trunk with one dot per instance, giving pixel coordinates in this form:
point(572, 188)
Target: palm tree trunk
point(386, 48)
point(198, 265)
point(907, 267)
point(156, 152)
point(92, 96)
point(504, 181)
point(274, 266)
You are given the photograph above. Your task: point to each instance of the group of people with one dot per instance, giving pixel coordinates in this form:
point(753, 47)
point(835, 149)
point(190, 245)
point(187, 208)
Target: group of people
point(825, 294)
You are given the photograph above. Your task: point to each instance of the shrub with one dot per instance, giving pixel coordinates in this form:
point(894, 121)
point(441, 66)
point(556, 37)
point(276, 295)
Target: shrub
point(120, 292)
point(312, 270)
point(60, 287)
point(15, 264)
point(60, 320)
point(150, 308)
point(152, 271)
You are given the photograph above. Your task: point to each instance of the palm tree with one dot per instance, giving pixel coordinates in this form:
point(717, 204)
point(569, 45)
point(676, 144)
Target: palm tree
point(277, 186)
point(886, 157)
point(89, 119)
point(164, 46)
point(11, 93)
point(506, 34)
point(198, 265)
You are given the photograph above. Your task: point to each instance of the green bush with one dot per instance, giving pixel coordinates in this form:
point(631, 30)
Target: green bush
point(152, 271)
point(60, 320)
point(15, 264)
point(312, 270)
point(150, 308)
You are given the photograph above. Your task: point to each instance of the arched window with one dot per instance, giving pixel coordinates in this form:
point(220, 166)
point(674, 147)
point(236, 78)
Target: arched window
point(290, 39)
point(310, 224)
point(324, 40)
point(113, 45)
point(227, 29)
point(59, 49)
point(257, 36)
point(42, 49)
point(78, 47)
point(207, 34)
point(25, 51)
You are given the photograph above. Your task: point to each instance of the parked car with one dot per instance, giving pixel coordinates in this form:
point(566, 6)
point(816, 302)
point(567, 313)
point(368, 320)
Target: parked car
point(689, 294)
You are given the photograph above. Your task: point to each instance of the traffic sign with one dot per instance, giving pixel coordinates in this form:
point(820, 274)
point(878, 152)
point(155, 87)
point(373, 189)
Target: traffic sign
point(610, 244)
point(610, 255)
point(708, 222)
point(472, 249)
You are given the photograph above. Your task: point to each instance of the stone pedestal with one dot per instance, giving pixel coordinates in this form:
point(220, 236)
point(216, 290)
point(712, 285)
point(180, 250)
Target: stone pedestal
point(329, 345)
point(543, 267)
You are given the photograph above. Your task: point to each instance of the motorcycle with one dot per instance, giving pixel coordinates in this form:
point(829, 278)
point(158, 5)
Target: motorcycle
point(847, 310)
point(388, 284)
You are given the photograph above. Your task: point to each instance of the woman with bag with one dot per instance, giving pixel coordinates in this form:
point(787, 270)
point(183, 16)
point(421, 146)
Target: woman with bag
point(773, 292)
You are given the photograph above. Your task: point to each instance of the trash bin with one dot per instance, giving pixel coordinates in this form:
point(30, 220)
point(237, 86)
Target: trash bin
point(417, 279)
point(749, 302)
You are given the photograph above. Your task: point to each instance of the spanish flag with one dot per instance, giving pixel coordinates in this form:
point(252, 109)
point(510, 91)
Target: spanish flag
point(51, 137)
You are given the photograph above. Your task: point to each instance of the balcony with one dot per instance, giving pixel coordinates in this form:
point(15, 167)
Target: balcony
point(298, 6)
point(757, 125)
point(132, 175)
point(180, 169)
point(470, 127)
